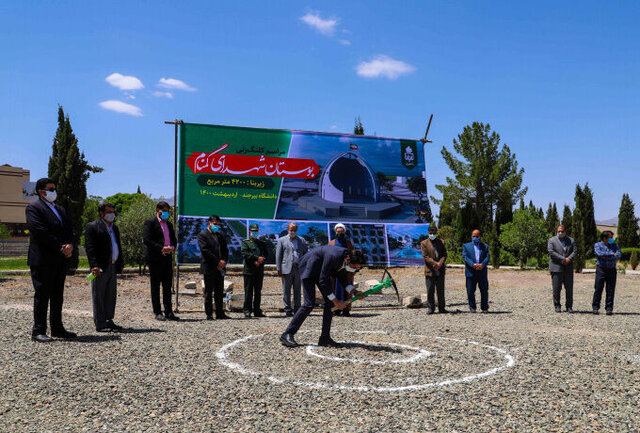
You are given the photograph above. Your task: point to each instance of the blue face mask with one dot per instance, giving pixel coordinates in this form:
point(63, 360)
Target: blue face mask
point(164, 215)
point(611, 241)
point(475, 240)
point(253, 234)
point(214, 228)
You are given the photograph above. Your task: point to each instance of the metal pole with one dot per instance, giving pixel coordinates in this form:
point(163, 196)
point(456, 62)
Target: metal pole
point(175, 265)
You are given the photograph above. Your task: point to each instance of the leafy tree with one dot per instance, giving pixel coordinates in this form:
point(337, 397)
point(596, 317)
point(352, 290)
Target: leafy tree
point(504, 214)
point(448, 211)
point(552, 219)
point(385, 182)
point(122, 201)
point(522, 205)
point(418, 186)
point(90, 212)
point(577, 231)
point(70, 171)
point(525, 236)
point(627, 224)
point(358, 129)
point(484, 172)
point(567, 219)
point(466, 222)
point(454, 248)
point(131, 224)
point(4, 231)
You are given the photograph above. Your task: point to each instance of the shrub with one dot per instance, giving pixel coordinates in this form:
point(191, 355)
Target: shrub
point(633, 260)
point(626, 252)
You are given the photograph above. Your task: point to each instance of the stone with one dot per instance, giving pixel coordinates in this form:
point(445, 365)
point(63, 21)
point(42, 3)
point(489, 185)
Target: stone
point(234, 302)
point(411, 302)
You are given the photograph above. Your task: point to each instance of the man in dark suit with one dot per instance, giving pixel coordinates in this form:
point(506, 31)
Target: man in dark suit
point(50, 245)
point(254, 252)
point(160, 238)
point(476, 257)
point(104, 252)
point(213, 261)
point(317, 268)
point(562, 251)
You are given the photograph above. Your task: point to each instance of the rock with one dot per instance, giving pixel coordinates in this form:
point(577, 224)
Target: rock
point(190, 285)
point(234, 302)
point(423, 298)
point(228, 285)
point(411, 302)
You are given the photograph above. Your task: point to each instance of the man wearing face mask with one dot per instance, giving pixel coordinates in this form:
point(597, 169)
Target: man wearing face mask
point(607, 255)
point(475, 255)
point(341, 241)
point(562, 251)
point(434, 254)
point(254, 253)
point(50, 245)
point(102, 242)
point(317, 268)
point(213, 261)
point(289, 250)
point(160, 239)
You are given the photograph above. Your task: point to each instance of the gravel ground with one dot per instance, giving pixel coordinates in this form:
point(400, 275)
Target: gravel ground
point(570, 372)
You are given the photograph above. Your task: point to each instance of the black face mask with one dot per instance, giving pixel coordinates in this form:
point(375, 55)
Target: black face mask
point(340, 236)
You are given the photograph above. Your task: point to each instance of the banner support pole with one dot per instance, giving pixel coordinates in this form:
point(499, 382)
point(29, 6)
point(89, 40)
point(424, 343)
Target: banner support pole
point(175, 265)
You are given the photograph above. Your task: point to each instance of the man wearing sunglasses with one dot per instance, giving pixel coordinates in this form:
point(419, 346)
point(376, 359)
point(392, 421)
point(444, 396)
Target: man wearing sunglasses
point(50, 246)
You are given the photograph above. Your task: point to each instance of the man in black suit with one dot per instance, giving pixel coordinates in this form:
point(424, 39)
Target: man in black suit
point(102, 242)
point(50, 246)
point(160, 238)
point(318, 267)
point(214, 256)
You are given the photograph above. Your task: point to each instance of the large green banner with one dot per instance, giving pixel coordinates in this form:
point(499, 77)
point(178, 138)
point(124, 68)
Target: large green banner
point(376, 186)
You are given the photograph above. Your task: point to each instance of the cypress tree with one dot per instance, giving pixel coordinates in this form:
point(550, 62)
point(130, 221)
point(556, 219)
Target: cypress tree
point(70, 171)
point(358, 129)
point(567, 219)
point(138, 191)
point(578, 237)
point(589, 221)
point(627, 224)
point(552, 220)
point(522, 205)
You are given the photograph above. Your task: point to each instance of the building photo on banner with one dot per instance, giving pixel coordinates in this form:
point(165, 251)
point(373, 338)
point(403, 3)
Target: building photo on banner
point(375, 186)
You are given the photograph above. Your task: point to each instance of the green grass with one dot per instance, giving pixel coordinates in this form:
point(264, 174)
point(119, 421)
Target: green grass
point(20, 263)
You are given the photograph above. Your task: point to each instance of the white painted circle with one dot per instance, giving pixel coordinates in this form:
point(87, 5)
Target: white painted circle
point(509, 362)
point(420, 353)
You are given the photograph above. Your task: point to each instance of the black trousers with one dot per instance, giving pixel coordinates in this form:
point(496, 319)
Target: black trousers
point(253, 293)
point(309, 291)
point(557, 280)
point(435, 284)
point(48, 282)
point(481, 281)
point(213, 292)
point(161, 273)
point(608, 277)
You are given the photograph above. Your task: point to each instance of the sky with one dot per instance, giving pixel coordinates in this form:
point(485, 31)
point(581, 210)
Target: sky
point(557, 80)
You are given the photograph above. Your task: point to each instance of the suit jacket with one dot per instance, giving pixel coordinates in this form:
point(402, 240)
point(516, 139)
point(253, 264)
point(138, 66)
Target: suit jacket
point(251, 249)
point(213, 248)
point(429, 255)
point(322, 265)
point(557, 254)
point(469, 257)
point(284, 253)
point(97, 242)
point(47, 234)
point(153, 238)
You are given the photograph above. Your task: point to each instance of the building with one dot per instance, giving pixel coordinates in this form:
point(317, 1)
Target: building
point(12, 203)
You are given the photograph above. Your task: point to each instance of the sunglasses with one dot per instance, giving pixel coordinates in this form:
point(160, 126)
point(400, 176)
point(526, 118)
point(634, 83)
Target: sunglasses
point(50, 189)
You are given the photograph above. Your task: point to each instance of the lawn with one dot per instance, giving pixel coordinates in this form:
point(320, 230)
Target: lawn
point(20, 263)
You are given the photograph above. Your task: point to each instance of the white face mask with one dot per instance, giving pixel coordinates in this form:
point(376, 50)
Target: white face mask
point(292, 234)
point(109, 217)
point(50, 196)
point(561, 235)
point(432, 236)
point(350, 269)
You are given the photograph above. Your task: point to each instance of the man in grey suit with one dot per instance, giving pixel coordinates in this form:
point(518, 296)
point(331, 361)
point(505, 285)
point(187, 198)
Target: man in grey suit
point(289, 251)
point(562, 250)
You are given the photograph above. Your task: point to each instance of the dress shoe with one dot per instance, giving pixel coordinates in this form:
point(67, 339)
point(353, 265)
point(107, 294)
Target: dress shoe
point(259, 314)
point(104, 329)
point(485, 311)
point(160, 317)
point(569, 310)
point(443, 311)
point(289, 313)
point(558, 310)
point(172, 317)
point(222, 317)
point(64, 334)
point(346, 313)
point(329, 342)
point(609, 313)
point(209, 317)
point(472, 310)
point(595, 311)
point(114, 327)
point(41, 338)
point(287, 340)
point(337, 313)
point(429, 311)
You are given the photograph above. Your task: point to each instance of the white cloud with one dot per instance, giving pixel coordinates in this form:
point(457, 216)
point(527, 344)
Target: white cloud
point(345, 42)
point(124, 82)
point(325, 26)
point(172, 83)
point(384, 66)
point(121, 107)
point(159, 94)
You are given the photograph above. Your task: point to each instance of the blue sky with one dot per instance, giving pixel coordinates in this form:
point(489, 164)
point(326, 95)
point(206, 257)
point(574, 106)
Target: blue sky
point(557, 80)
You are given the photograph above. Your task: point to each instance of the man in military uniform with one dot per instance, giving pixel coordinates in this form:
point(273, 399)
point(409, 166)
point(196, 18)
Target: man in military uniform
point(254, 253)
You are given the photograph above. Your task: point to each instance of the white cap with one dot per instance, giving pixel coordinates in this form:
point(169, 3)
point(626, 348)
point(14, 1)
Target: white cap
point(339, 226)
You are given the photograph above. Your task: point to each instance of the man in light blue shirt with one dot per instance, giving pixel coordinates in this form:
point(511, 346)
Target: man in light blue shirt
point(607, 255)
point(289, 251)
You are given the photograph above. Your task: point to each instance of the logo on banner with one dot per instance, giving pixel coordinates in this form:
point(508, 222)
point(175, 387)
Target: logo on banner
point(409, 152)
point(241, 165)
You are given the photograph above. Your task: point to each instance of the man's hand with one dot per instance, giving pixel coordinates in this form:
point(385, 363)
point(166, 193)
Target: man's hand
point(567, 261)
point(436, 266)
point(340, 305)
point(167, 250)
point(260, 260)
point(280, 273)
point(358, 293)
point(96, 271)
point(221, 265)
point(66, 250)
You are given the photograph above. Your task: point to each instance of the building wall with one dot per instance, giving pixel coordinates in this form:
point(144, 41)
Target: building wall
point(11, 203)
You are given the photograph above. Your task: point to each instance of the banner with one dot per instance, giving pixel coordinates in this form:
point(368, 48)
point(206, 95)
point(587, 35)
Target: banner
point(375, 186)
